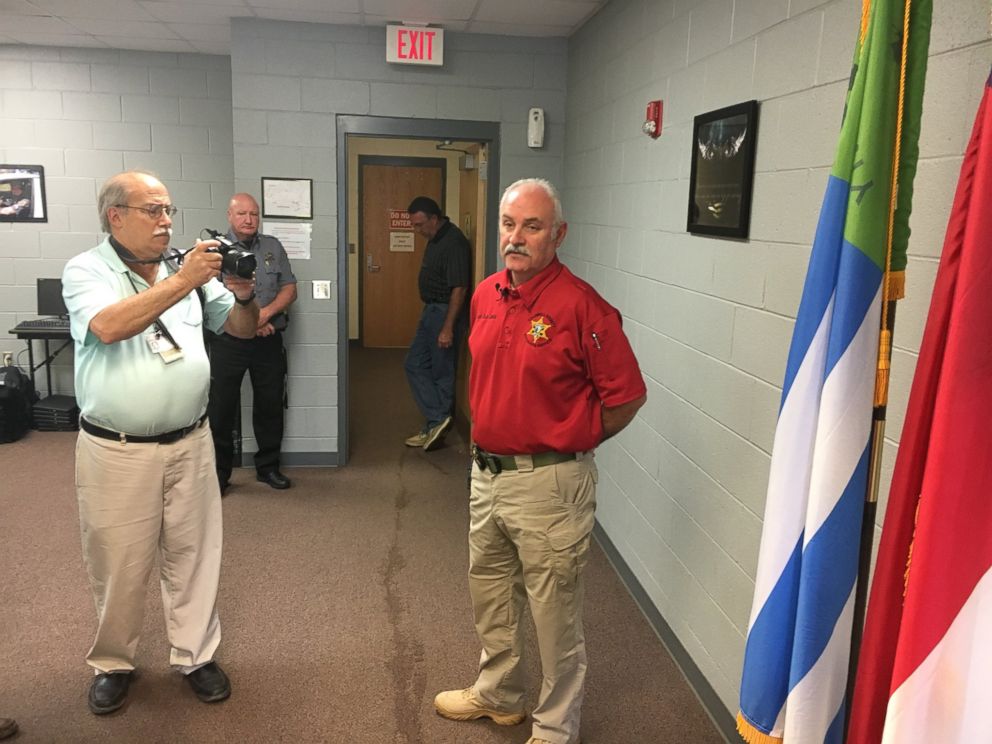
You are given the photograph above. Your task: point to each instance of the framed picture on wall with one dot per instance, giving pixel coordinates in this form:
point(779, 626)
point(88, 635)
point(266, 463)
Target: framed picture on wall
point(22, 193)
point(289, 198)
point(722, 173)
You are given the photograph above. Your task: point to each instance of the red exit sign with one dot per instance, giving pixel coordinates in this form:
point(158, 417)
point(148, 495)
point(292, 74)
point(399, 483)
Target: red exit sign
point(415, 45)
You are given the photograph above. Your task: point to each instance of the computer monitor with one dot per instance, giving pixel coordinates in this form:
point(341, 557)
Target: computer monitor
point(50, 300)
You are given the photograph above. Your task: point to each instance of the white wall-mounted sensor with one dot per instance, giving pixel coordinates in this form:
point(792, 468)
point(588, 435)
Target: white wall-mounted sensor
point(535, 127)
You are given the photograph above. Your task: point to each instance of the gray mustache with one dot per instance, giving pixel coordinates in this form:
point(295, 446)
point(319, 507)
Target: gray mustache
point(519, 250)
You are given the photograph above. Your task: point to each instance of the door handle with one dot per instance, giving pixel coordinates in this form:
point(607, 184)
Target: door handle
point(369, 265)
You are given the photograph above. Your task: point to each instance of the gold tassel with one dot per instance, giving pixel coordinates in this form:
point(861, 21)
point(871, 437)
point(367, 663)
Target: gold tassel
point(897, 285)
point(882, 370)
point(751, 735)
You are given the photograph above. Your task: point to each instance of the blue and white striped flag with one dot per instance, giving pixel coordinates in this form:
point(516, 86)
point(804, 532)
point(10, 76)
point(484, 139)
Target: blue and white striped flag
point(799, 635)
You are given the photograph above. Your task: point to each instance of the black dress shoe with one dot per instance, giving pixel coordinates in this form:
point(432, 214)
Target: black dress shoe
point(210, 683)
point(274, 478)
point(108, 692)
point(8, 727)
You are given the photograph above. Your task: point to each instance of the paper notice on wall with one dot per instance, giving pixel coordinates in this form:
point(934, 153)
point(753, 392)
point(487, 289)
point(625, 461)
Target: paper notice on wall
point(294, 236)
point(401, 242)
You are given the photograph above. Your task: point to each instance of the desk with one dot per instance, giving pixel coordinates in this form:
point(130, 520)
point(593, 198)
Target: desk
point(27, 333)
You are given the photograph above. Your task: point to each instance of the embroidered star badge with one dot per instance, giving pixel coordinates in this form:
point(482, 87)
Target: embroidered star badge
point(539, 326)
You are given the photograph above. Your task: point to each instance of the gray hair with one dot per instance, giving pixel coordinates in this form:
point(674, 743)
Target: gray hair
point(548, 189)
point(116, 190)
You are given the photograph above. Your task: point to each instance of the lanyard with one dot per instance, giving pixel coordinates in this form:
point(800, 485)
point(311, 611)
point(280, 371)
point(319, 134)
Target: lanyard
point(159, 325)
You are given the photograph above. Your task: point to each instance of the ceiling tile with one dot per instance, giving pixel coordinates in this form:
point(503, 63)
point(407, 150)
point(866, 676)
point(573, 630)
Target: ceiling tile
point(422, 10)
point(139, 29)
point(181, 12)
point(126, 10)
point(19, 7)
point(137, 24)
point(309, 16)
point(527, 12)
point(331, 7)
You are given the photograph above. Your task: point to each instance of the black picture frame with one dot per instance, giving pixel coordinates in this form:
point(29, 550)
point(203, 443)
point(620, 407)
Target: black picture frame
point(287, 198)
point(722, 174)
point(22, 193)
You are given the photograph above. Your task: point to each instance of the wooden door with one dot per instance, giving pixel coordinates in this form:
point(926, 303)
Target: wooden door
point(391, 306)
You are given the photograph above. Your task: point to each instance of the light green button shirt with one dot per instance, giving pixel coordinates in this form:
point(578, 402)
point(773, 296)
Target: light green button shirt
point(125, 386)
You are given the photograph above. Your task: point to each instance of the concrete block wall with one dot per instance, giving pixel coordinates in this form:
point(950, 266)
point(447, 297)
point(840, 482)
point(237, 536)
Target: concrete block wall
point(290, 80)
point(85, 114)
point(682, 490)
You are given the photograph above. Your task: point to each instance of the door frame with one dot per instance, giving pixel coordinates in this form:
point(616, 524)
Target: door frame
point(487, 132)
point(399, 161)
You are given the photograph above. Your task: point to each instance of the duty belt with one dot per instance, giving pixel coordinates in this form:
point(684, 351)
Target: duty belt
point(496, 464)
point(167, 438)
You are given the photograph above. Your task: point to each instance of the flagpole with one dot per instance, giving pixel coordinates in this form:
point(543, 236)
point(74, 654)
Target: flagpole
point(871, 496)
point(893, 289)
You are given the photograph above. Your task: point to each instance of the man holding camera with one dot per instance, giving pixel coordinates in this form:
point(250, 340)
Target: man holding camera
point(144, 464)
point(262, 355)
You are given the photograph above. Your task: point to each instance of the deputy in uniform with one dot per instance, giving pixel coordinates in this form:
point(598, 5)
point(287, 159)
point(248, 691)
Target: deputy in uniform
point(553, 375)
point(263, 356)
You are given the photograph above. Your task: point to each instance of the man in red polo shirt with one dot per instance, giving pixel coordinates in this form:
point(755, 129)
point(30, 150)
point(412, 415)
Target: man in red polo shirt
point(553, 375)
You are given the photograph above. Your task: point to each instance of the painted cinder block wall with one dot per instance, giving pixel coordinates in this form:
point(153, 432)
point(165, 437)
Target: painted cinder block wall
point(85, 114)
point(290, 81)
point(682, 489)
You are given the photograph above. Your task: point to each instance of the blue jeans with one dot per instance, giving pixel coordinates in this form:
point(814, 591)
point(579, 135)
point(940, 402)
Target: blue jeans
point(430, 370)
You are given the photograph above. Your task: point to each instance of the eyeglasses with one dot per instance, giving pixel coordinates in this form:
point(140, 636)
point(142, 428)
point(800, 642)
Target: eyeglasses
point(153, 210)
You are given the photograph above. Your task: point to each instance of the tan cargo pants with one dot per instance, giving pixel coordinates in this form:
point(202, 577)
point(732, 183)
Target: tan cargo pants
point(529, 539)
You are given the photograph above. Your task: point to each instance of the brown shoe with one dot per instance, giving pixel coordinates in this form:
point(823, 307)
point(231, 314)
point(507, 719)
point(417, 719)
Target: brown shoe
point(463, 705)
point(8, 727)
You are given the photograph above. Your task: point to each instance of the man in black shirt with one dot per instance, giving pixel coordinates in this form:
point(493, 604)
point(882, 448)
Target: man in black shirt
point(444, 281)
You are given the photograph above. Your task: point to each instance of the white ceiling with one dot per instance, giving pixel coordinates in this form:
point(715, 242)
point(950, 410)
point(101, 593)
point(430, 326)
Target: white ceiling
point(204, 25)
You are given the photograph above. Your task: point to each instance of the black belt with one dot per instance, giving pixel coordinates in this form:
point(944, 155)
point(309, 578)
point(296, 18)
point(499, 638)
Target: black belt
point(167, 438)
point(496, 464)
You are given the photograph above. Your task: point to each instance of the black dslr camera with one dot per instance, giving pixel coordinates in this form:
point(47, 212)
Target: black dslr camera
point(236, 259)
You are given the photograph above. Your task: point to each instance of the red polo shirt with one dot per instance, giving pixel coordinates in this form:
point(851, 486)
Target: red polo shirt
point(545, 356)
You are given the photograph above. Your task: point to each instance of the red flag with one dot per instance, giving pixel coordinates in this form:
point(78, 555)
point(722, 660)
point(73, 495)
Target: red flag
point(926, 662)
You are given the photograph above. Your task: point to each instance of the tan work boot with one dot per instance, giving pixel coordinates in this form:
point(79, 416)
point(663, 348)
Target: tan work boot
point(416, 440)
point(463, 705)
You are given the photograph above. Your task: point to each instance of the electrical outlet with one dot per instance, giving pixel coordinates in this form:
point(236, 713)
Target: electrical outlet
point(322, 289)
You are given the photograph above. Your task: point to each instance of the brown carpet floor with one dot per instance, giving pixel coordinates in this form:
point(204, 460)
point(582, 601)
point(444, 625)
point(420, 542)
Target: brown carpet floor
point(344, 606)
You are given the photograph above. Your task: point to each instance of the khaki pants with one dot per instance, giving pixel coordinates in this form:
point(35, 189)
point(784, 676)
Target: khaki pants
point(136, 500)
point(529, 539)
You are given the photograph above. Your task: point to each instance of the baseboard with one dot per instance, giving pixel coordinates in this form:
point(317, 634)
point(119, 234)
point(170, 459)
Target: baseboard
point(298, 459)
point(723, 719)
